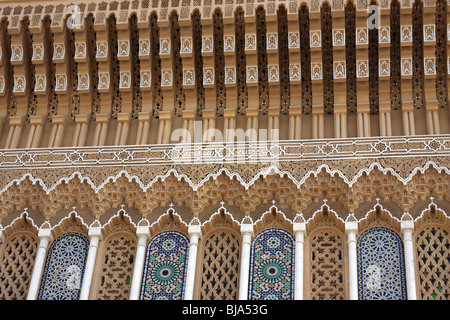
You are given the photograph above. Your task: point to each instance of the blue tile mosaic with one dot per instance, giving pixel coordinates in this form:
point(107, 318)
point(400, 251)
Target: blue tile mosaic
point(64, 267)
point(381, 271)
point(272, 266)
point(165, 267)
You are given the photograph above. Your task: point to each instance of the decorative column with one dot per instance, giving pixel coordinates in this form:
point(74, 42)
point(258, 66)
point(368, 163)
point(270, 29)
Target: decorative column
point(247, 234)
point(143, 234)
point(299, 233)
point(407, 228)
point(195, 234)
point(95, 235)
point(351, 228)
point(45, 236)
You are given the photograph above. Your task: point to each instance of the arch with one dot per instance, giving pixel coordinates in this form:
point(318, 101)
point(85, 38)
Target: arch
point(272, 266)
point(64, 267)
point(272, 218)
point(432, 254)
point(381, 267)
point(218, 262)
point(326, 271)
point(115, 260)
point(17, 257)
point(165, 267)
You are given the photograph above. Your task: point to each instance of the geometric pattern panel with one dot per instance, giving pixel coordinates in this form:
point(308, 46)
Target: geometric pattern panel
point(433, 259)
point(165, 267)
point(272, 266)
point(64, 267)
point(16, 265)
point(327, 266)
point(220, 267)
point(381, 271)
point(117, 269)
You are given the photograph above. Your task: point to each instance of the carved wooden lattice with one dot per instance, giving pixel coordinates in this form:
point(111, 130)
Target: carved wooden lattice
point(135, 67)
point(305, 53)
point(283, 60)
point(116, 99)
point(395, 56)
point(373, 70)
point(240, 62)
point(441, 53)
point(219, 63)
point(262, 61)
point(433, 259)
point(95, 95)
point(156, 70)
point(117, 268)
point(327, 266)
point(220, 267)
point(177, 66)
point(52, 108)
point(327, 58)
point(197, 45)
point(16, 266)
point(350, 51)
point(9, 71)
point(74, 103)
point(418, 72)
point(28, 46)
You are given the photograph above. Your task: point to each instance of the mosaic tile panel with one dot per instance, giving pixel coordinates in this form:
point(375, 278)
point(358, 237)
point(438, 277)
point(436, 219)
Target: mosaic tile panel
point(381, 271)
point(272, 266)
point(64, 267)
point(165, 267)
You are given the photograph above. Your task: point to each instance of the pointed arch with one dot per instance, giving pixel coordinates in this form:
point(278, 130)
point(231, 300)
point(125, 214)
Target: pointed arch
point(64, 267)
point(165, 267)
point(272, 266)
point(17, 256)
point(432, 254)
point(115, 259)
point(327, 271)
point(381, 266)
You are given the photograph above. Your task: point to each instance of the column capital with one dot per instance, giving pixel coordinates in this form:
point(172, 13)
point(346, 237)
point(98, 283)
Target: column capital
point(45, 233)
point(143, 231)
point(195, 230)
point(102, 117)
point(299, 227)
point(407, 225)
point(247, 228)
point(351, 224)
point(407, 222)
point(95, 232)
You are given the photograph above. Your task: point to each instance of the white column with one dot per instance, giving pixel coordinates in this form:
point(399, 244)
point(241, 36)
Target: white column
point(299, 233)
point(194, 234)
point(247, 234)
point(2, 236)
point(143, 233)
point(95, 235)
point(351, 228)
point(45, 236)
point(407, 228)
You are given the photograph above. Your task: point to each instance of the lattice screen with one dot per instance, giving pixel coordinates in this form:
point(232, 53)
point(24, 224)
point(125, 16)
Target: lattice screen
point(16, 266)
point(433, 258)
point(220, 267)
point(327, 266)
point(117, 268)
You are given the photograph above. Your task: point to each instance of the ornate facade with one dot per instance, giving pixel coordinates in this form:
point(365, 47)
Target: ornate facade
point(224, 149)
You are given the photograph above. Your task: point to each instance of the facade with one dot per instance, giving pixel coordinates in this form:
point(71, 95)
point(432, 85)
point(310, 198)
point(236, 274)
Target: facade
point(224, 150)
